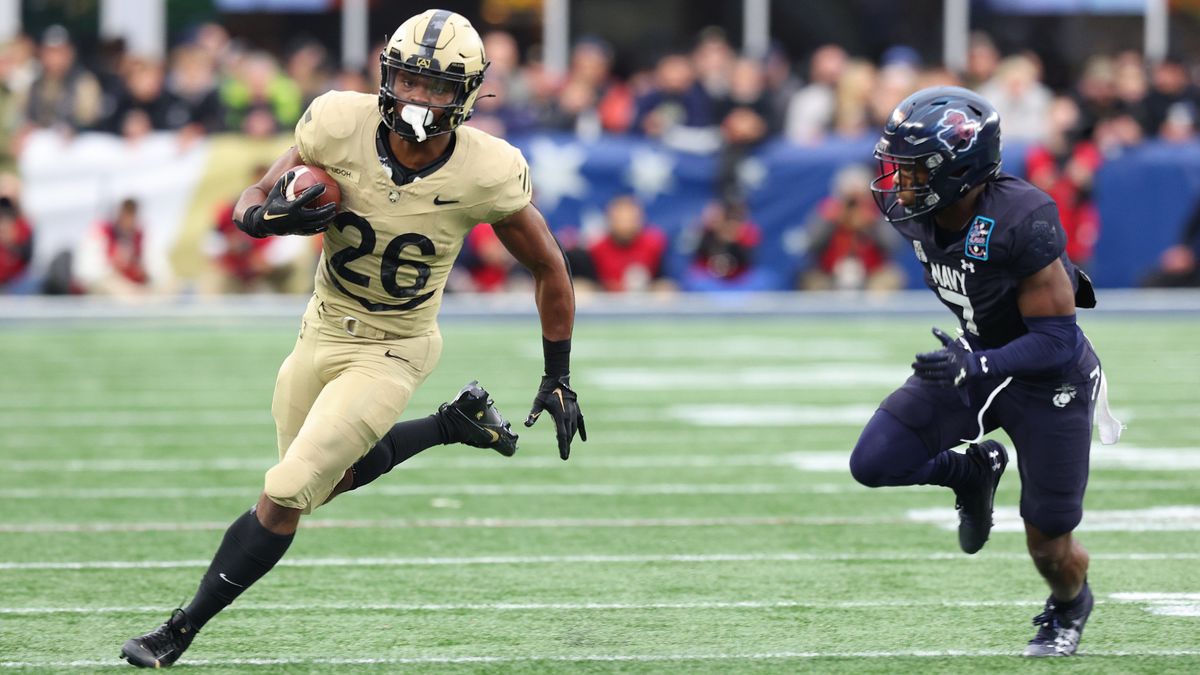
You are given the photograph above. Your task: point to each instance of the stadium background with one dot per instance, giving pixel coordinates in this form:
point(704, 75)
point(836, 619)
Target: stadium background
point(1091, 94)
point(710, 523)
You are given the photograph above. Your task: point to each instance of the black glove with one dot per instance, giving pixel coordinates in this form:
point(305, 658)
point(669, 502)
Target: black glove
point(278, 216)
point(953, 366)
point(556, 397)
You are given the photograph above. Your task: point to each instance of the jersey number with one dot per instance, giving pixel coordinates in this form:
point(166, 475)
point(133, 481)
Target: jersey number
point(960, 300)
point(389, 267)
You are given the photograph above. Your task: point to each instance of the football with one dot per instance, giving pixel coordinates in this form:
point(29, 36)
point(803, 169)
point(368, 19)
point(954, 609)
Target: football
point(308, 176)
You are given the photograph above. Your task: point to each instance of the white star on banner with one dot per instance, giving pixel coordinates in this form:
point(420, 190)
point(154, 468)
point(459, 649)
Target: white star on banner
point(751, 173)
point(556, 172)
point(650, 173)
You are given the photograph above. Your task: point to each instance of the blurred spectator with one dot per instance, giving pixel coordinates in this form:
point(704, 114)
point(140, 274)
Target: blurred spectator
point(505, 58)
point(1177, 266)
point(64, 95)
point(16, 244)
point(1130, 87)
point(193, 82)
point(574, 111)
point(109, 260)
point(354, 80)
point(630, 255)
point(849, 243)
point(1021, 99)
point(1095, 94)
point(810, 113)
point(745, 119)
point(676, 108)
point(982, 60)
point(259, 100)
point(490, 267)
point(1065, 169)
point(307, 68)
point(243, 264)
point(22, 68)
point(897, 79)
point(143, 105)
point(12, 105)
point(1173, 103)
point(854, 92)
point(782, 83)
point(713, 58)
point(495, 114)
point(591, 66)
point(724, 249)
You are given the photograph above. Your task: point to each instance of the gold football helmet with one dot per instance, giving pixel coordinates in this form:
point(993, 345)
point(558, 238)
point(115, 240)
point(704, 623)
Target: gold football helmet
point(434, 61)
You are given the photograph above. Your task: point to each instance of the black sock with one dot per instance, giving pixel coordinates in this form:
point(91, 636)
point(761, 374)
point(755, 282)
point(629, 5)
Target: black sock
point(247, 552)
point(1069, 605)
point(952, 469)
point(402, 441)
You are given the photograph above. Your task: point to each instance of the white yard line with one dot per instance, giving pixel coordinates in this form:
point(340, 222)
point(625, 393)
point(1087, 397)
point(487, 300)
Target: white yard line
point(1173, 518)
point(481, 523)
point(473, 490)
point(698, 558)
point(603, 658)
point(546, 606)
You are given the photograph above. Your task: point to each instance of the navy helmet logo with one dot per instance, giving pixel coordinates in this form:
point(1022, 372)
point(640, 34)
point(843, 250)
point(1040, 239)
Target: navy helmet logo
point(957, 131)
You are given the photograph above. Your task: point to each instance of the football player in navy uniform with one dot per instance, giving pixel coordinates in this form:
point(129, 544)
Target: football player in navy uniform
point(413, 183)
point(993, 252)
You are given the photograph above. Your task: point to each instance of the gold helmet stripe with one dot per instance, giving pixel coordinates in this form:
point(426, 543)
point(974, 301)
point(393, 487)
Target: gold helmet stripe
point(433, 31)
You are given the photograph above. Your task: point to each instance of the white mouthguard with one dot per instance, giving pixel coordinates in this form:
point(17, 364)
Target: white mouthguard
point(418, 117)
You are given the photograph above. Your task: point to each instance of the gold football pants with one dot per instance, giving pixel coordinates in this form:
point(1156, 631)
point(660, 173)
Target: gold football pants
point(337, 393)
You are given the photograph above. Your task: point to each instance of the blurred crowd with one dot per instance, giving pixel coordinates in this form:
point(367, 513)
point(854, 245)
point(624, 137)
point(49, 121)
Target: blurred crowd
point(707, 99)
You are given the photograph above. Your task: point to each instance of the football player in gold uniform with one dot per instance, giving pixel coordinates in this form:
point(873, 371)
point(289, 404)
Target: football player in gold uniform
point(413, 183)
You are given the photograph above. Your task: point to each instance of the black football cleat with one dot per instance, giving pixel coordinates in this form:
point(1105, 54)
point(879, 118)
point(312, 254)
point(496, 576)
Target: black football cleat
point(974, 502)
point(1059, 630)
point(162, 646)
point(474, 420)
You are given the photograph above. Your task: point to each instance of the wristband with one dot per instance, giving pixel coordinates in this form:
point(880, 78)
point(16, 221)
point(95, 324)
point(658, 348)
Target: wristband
point(557, 354)
point(249, 221)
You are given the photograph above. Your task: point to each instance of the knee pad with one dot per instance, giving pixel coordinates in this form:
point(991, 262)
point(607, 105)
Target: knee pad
point(887, 452)
point(291, 484)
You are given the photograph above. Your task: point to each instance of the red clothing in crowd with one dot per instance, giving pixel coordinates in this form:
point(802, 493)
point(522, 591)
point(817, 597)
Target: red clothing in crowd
point(124, 252)
point(242, 258)
point(486, 273)
point(1079, 216)
point(16, 252)
point(629, 266)
point(845, 242)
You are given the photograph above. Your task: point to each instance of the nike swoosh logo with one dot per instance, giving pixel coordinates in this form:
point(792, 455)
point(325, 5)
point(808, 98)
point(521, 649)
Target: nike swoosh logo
point(230, 581)
point(390, 355)
point(273, 216)
point(438, 201)
point(495, 436)
point(560, 399)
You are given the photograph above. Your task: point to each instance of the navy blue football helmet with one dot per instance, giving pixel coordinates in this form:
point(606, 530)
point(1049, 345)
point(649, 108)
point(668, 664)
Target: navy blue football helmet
point(949, 134)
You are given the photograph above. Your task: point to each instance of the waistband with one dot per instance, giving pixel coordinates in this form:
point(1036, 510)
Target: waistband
point(352, 326)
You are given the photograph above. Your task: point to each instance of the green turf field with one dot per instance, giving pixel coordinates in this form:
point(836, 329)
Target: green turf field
point(708, 525)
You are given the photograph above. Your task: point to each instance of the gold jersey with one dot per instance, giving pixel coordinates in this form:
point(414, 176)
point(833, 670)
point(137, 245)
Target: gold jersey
point(387, 254)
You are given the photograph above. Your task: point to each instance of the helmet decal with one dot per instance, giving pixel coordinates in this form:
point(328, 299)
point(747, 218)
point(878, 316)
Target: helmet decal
point(957, 131)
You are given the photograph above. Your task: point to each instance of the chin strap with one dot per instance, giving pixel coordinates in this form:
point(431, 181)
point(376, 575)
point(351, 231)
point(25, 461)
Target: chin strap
point(417, 117)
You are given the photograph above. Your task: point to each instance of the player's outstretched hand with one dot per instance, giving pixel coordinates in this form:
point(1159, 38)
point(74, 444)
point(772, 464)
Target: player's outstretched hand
point(556, 397)
point(279, 215)
point(952, 366)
